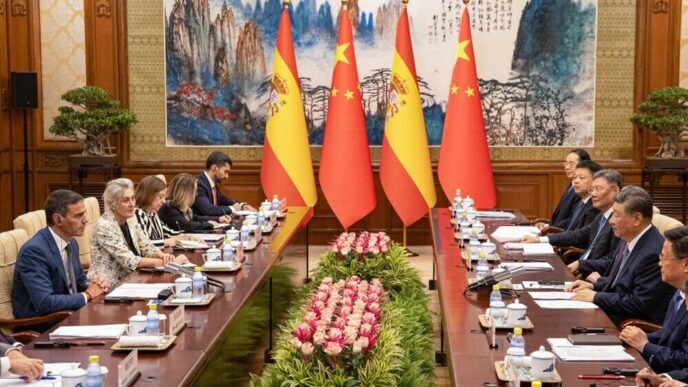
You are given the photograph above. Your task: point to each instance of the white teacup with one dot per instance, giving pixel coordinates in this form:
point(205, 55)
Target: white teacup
point(182, 287)
point(213, 254)
point(137, 325)
point(542, 364)
point(233, 234)
point(252, 219)
point(516, 314)
point(73, 377)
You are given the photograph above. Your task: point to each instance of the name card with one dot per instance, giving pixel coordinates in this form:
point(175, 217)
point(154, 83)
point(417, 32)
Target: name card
point(273, 218)
point(128, 369)
point(177, 320)
point(239, 253)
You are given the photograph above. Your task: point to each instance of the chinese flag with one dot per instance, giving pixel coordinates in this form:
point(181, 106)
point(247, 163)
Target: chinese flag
point(346, 174)
point(287, 169)
point(405, 169)
point(464, 157)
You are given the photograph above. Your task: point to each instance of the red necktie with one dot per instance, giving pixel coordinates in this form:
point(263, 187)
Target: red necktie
point(214, 195)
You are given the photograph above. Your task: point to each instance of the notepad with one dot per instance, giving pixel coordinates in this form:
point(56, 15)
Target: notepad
point(513, 245)
point(537, 249)
point(603, 353)
point(137, 290)
point(513, 233)
point(496, 214)
point(186, 244)
point(112, 331)
point(565, 304)
point(210, 237)
point(551, 295)
point(545, 285)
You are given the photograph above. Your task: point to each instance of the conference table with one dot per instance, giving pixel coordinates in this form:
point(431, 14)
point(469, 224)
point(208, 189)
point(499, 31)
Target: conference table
point(466, 345)
point(185, 359)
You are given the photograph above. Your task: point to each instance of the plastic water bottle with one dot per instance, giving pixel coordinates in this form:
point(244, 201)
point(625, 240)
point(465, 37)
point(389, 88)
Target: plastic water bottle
point(474, 249)
point(153, 321)
point(94, 376)
point(228, 238)
point(261, 218)
point(495, 295)
point(243, 233)
point(197, 280)
point(275, 203)
point(482, 270)
point(517, 340)
point(457, 196)
point(227, 253)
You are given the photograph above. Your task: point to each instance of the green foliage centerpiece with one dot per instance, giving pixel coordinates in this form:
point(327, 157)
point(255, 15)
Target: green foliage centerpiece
point(93, 118)
point(363, 320)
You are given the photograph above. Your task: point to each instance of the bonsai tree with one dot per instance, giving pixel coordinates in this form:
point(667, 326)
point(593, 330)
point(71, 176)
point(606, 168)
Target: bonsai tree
point(666, 114)
point(93, 118)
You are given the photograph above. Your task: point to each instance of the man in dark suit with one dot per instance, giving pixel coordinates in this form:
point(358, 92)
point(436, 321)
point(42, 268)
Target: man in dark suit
point(209, 200)
point(48, 275)
point(633, 287)
point(12, 360)
point(568, 198)
point(596, 237)
point(667, 349)
point(583, 212)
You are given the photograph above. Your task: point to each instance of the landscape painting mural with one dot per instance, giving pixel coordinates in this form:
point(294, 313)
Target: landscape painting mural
point(535, 60)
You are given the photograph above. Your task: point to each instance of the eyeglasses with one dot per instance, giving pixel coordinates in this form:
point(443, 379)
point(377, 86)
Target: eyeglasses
point(597, 188)
point(663, 258)
point(569, 163)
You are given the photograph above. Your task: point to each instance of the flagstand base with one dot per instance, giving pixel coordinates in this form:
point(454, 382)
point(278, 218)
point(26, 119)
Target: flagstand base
point(440, 358)
point(267, 357)
point(307, 280)
point(409, 253)
point(432, 285)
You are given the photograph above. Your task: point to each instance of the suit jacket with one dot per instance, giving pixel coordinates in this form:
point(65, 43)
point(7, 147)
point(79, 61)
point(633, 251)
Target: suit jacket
point(584, 217)
point(667, 348)
point(203, 205)
point(602, 255)
point(639, 291)
point(680, 375)
point(563, 211)
point(40, 283)
point(175, 219)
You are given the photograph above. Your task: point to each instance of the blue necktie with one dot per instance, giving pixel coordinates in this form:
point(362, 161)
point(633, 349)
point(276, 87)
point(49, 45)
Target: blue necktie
point(600, 226)
point(574, 215)
point(674, 306)
point(621, 264)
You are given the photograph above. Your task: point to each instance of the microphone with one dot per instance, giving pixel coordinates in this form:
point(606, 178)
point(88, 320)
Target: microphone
point(490, 280)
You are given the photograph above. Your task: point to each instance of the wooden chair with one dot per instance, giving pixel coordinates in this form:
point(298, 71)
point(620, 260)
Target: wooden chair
point(84, 241)
point(31, 222)
point(663, 222)
point(10, 243)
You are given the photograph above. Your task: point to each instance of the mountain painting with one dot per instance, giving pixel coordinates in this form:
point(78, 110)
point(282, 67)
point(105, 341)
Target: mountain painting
point(535, 60)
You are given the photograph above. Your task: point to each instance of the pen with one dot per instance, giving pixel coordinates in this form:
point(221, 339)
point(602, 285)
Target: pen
point(42, 378)
point(601, 377)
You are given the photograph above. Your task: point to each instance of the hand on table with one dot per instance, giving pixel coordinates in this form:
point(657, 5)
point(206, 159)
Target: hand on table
point(181, 259)
point(21, 365)
point(530, 238)
point(635, 337)
point(651, 377)
point(593, 277)
point(584, 295)
point(574, 267)
point(577, 286)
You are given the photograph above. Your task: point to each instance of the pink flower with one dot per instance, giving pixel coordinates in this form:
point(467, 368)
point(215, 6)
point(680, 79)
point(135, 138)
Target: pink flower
point(374, 250)
point(335, 334)
point(311, 318)
point(326, 280)
point(362, 342)
point(307, 349)
point(296, 342)
point(369, 318)
point(332, 348)
point(366, 330)
point(319, 338)
point(303, 332)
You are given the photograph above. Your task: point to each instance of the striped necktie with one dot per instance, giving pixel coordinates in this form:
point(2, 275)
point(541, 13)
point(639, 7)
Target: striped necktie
point(600, 226)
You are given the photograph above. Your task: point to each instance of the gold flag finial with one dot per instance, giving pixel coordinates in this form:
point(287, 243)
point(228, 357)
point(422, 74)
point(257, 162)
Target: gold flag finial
point(466, 2)
point(285, 3)
point(404, 2)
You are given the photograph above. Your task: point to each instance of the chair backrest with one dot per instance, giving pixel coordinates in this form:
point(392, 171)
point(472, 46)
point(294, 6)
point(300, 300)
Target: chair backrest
point(663, 222)
point(84, 241)
point(31, 222)
point(10, 243)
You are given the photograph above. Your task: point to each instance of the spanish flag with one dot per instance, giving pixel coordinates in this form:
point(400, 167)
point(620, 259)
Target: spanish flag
point(287, 168)
point(405, 169)
point(346, 173)
point(464, 157)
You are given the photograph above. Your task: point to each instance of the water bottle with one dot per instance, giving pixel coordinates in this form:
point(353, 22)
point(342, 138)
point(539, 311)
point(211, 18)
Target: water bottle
point(228, 238)
point(261, 218)
point(153, 321)
point(227, 253)
point(275, 203)
point(197, 280)
point(243, 233)
point(94, 377)
point(482, 270)
point(474, 249)
point(457, 197)
point(517, 340)
point(495, 295)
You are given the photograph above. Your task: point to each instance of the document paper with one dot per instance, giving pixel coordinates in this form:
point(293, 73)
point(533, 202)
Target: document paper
point(137, 290)
point(565, 304)
point(568, 352)
point(537, 249)
point(112, 331)
point(551, 295)
point(513, 233)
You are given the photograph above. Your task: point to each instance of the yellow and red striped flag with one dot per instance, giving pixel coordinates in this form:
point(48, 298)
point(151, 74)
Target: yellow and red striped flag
point(464, 156)
point(287, 168)
point(346, 173)
point(405, 169)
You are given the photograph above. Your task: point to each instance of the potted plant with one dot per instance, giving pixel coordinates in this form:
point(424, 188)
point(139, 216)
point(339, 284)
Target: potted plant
point(665, 113)
point(93, 118)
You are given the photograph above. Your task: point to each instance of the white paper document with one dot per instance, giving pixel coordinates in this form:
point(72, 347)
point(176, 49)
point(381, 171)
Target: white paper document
point(112, 331)
point(51, 369)
point(138, 290)
point(537, 249)
point(545, 285)
point(184, 244)
point(565, 304)
point(514, 246)
point(496, 214)
point(568, 352)
point(210, 237)
point(513, 233)
point(551, 295)
point(528, 266)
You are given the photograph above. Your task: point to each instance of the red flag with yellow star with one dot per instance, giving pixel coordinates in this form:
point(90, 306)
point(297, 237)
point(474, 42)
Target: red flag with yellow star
point(464, 156)
point(346, 174)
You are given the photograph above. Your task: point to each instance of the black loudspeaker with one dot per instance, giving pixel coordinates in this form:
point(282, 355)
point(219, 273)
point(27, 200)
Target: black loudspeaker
point(24, 89)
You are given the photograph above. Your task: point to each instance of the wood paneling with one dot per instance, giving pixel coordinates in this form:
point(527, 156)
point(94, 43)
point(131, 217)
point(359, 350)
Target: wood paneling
point(532, 186)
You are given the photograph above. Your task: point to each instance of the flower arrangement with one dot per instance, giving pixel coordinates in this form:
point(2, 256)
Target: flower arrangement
point(365, 244)
point(343, 319)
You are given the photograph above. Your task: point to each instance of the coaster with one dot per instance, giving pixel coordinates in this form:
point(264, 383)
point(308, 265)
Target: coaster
point(164, 345)
point(227, 269)
point(174, 301)
point(486, 322)
point(524, 374)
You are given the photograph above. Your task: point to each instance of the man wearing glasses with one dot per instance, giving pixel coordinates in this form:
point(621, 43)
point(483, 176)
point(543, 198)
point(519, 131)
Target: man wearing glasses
point(596, 237)
point(633, 286)
point(667, 349)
